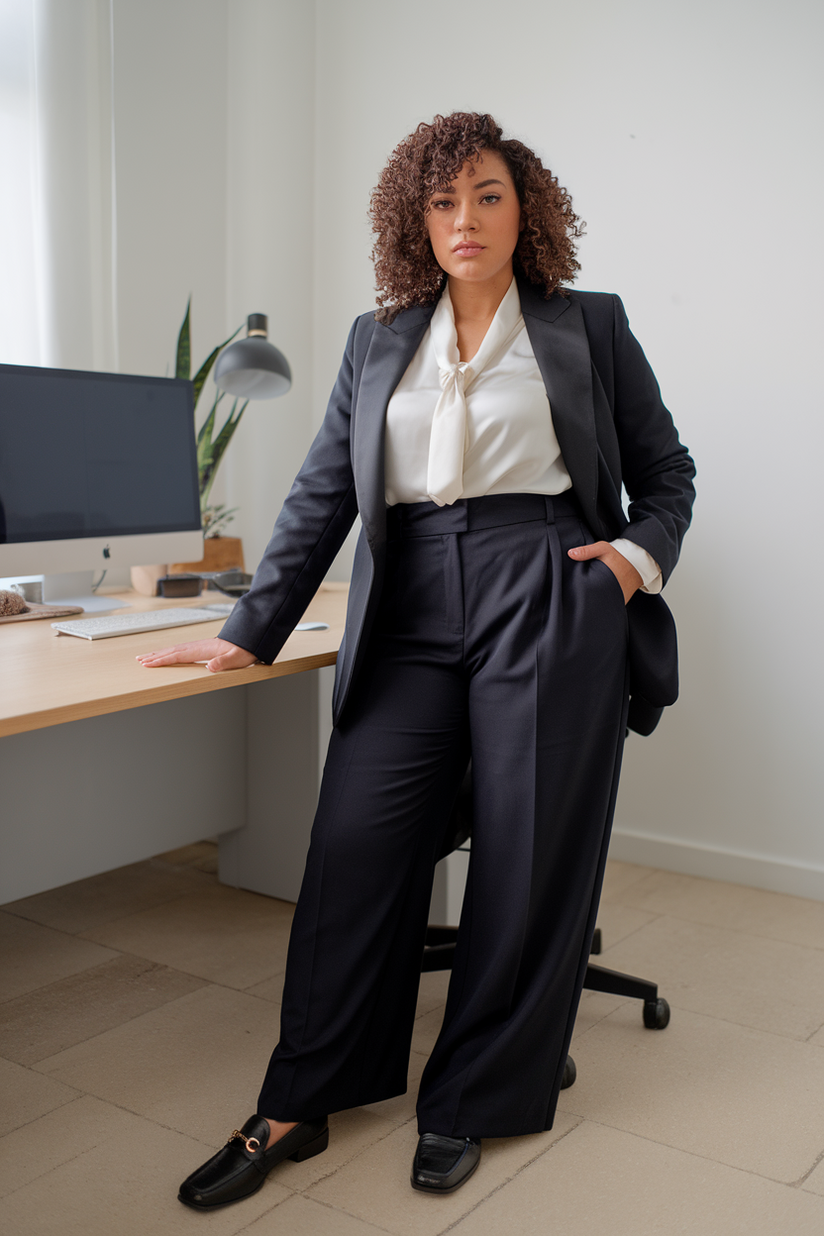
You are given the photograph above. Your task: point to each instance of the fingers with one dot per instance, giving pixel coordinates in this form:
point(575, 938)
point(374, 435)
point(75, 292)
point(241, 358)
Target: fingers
point(623, 570)
point(218, 654)
point(185, 654)
point(583, 552)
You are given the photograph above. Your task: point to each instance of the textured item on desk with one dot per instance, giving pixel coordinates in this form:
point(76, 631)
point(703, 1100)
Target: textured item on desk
point(12, 603)
point(33, 611)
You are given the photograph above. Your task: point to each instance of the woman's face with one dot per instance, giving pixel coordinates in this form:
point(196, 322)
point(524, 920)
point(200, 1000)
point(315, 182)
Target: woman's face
point(474, 226)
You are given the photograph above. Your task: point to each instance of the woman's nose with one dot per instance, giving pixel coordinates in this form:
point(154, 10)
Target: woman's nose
point(465, 217)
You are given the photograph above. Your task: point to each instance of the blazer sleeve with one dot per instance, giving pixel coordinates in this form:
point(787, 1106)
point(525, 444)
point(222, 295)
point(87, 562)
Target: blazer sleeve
point(656, 468)
point(313, 523)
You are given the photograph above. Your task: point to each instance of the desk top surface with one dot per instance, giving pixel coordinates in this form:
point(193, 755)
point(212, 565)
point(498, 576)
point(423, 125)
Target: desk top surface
point(48, 679)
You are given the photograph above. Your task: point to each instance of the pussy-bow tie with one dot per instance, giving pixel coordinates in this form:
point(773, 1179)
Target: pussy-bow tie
point(448, 440)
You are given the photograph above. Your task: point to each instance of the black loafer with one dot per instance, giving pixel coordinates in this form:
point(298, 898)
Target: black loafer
point(442, 1164)
point(241, 1167)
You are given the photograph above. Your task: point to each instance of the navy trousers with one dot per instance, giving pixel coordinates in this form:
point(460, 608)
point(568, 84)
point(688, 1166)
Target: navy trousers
point(489, 640)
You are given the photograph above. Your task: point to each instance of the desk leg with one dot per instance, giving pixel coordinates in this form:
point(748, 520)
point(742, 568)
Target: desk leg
point(268, 855)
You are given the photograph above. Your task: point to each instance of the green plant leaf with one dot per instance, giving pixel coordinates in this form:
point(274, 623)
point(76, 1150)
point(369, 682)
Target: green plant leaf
point(205, 451)
point(216, 518)
point(219, 446)
point(206, 368)
point(183, 366)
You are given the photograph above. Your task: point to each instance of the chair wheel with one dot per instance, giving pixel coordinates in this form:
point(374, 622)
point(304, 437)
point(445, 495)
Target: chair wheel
point(570, 1073)
point(656, 1014)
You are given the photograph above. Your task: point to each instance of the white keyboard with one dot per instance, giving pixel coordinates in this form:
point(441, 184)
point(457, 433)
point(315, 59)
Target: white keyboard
point(133, 624)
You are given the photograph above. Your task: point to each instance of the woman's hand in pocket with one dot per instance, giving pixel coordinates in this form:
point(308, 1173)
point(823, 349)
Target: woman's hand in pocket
point(621, 567)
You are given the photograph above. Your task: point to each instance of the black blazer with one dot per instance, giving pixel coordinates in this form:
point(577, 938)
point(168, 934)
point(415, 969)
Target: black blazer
point(612, 428)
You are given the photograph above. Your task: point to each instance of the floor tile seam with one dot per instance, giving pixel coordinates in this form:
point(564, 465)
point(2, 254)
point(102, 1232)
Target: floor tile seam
point(64, 1162)
point(648, 872)
point(52, 982)
point(605, 1017)
point(130, 1111)
point(363, 1150)
point(79, 1094)
point(78, 935)
point(192, 892)
point(595, 958)
point(338, 1210)
point(263, 1214)
point(67, 978)
point(113, 1029)
point(682, 1008)
point(546, 1150)
point(705, 1158)
point(33, 1064)
point(131, 952)
point(699, 922)
point(429, 1012)
point(248, 990)
point(728, 1021)
point(125, 952)
point(798, 1184)
point(244, 991)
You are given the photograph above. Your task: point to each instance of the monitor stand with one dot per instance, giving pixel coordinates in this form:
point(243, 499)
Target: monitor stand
point(76, 589)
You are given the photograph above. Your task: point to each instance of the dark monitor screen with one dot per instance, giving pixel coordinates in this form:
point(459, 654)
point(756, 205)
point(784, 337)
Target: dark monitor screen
point(94, 454)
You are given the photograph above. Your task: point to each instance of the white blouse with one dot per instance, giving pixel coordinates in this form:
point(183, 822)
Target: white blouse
point(499, 409)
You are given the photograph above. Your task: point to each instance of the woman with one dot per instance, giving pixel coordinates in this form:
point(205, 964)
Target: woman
point(494, 611)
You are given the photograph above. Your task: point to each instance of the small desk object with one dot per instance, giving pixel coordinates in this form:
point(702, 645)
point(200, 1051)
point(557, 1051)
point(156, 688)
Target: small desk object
point(103, 762)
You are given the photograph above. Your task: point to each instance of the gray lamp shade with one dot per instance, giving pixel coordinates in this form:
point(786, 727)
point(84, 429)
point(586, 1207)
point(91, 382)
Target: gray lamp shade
point(253, 368)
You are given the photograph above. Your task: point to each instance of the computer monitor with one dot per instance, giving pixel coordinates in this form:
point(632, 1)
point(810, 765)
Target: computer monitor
point(97, 470)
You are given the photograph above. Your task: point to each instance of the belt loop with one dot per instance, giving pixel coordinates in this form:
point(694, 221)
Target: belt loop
point(550, 509)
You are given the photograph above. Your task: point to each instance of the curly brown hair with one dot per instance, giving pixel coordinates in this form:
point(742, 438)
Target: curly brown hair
point(426, 162)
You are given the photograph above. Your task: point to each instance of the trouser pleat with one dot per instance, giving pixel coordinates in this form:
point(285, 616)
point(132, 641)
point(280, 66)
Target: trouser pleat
point(493, 639)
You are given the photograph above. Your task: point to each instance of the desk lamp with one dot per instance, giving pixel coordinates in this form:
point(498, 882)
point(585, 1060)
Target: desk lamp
point(250, 368)
point(253, 368)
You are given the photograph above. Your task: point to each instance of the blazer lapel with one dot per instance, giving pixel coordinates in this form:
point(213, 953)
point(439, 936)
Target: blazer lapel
point(559, 340)
point(391, 348)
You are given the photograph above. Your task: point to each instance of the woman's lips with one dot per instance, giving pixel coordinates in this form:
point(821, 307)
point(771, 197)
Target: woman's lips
point(468, 250)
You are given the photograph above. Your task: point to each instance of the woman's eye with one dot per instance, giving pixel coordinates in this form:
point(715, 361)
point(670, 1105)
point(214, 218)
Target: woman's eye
point(439, 204)
point(491, 197)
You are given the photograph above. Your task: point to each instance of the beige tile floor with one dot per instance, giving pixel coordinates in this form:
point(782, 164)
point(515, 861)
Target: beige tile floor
point(138, 1008)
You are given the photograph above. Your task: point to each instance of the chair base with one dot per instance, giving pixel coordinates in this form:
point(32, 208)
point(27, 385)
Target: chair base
point(439, 950)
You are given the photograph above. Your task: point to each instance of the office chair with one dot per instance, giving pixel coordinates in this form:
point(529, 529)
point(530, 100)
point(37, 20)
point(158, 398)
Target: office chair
point(440, 941)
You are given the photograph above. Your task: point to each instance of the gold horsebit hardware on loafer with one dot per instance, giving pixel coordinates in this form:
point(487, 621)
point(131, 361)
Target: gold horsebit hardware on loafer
point(252, 1143)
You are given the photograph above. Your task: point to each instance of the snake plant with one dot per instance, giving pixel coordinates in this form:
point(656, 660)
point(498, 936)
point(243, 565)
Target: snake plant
point(210, 449)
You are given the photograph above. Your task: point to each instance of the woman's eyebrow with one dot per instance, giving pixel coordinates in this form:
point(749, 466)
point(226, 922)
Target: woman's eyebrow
point(482, 185)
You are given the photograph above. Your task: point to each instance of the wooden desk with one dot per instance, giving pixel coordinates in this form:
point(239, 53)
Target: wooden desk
point(103, 762)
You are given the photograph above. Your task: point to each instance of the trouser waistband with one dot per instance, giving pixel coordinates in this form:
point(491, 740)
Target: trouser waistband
point(471, 514)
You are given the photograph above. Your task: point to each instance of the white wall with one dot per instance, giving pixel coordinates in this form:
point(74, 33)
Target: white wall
point(689, 137)
point(270, 254)
point(170, 73)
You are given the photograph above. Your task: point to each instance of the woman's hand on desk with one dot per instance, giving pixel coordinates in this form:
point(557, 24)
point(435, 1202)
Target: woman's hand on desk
point(218, 654)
